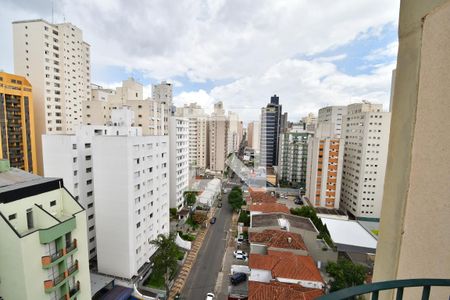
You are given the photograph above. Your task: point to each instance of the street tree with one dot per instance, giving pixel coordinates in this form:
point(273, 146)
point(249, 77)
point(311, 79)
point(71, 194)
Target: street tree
point(345, 274)
point(190, 198)
point(165, 258)
point(235, 198)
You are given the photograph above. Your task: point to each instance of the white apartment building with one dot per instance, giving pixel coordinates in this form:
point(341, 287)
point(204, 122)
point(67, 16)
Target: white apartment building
point(365, 131)
point(332, 116)
point(70, 158)
point(325, 159)
point(218, 133)
point(131, 203)
point(179, 160)
point(198, 134)
point(56, 61)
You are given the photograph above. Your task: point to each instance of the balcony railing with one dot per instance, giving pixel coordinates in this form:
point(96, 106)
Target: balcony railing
point(398, 285)
point(73, 268)
point(72, 246)
point(47, 260)
point(50, 285)
point(74, 290)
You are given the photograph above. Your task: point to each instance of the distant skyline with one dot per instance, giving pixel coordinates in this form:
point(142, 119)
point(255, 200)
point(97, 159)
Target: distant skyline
point(311, 54)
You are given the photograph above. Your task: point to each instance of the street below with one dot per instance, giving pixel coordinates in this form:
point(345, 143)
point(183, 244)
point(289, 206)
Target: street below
point(203, 275)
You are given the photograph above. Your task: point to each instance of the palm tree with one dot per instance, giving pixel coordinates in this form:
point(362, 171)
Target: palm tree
point(165, 258)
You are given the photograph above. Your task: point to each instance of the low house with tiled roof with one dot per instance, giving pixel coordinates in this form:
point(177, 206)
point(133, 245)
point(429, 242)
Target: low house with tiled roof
point(278, 290)
point(285, 267)
point(262, 207)
point(298, 225)
point(277, 240)
point(261, 197)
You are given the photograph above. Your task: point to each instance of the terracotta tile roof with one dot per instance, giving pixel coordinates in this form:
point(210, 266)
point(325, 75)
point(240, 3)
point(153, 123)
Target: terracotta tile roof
point(269, 207)
point(278, 239)
point(286, 265)
point(262, 262)
point(258, 196)
point(277, 290)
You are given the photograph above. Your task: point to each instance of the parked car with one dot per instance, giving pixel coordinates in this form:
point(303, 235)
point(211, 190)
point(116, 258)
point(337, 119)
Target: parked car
point(240, 240)
point(213, 220)
point(298, 201)
point(237, 278)
point(210, 296)
point(239, 252)
point(241, 257)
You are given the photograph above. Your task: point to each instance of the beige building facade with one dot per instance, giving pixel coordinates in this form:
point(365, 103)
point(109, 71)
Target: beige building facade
point(56, 61)
point(414, 239)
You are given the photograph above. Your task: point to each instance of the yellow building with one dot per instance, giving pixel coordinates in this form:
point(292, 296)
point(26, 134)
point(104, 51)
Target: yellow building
point(17, 137)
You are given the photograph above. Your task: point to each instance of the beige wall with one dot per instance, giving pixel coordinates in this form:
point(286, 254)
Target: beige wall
point(414, 238)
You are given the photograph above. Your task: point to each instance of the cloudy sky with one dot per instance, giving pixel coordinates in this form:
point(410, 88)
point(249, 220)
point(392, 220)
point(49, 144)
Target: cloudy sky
point(310, 53)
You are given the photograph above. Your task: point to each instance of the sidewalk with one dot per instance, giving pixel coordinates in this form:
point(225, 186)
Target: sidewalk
point(190, 259)
point(221, 288)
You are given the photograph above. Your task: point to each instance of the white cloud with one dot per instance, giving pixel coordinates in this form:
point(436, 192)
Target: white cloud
point(211, 39)
point(390, 51)
point(303, 87)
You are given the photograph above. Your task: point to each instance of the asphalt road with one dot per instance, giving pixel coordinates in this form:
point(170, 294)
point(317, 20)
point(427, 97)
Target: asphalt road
point(203, 275)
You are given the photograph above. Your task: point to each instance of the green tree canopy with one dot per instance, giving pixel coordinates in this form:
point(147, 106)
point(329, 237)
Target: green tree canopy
point(235, 198)
point(190, 198)
point(345, 274)
point(165, 258)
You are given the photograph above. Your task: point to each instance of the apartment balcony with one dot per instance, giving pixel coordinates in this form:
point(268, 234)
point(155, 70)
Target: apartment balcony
point(49, 261)
point(51, 285)
point(398, 285)
point(75, 291)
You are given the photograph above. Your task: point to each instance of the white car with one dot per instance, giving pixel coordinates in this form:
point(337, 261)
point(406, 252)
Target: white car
point(210, 296)
point(241, 257)
point(239, 252)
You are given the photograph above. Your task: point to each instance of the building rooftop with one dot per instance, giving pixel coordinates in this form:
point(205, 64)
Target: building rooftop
point(286, 265)
point(17, 184)
point(350, 236)
point(269, 207)
point(283, 221)
point(278, 239)
point(278, 290)
point(259, 196)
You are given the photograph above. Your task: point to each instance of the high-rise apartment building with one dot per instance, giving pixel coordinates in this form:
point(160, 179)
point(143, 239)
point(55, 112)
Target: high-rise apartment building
point(218, 133)
point(324, 171)
point(198, 134)
point(332, 117)
point(131, 203)
point(179, 160)
point(365, 130)
point(70, 157)
point(43, 249)
point(270, 132)
point(56, 61)
point(162, 94)
point(142, 196)
point(293, 156)
point(253, 135)
point(17, 134)
point(325, 159)
point(234, 133)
